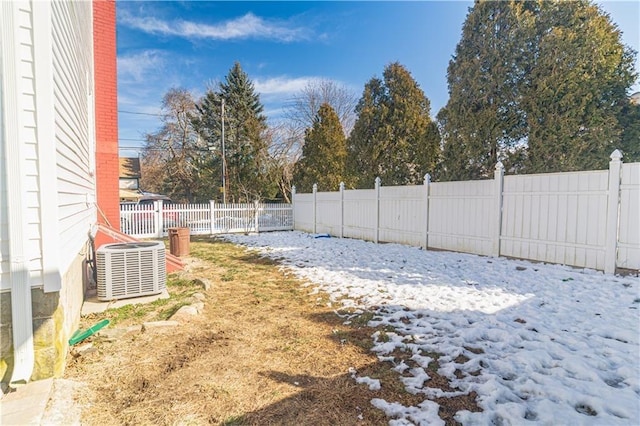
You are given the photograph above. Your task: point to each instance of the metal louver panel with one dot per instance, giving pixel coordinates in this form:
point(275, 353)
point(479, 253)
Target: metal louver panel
point(131, 270)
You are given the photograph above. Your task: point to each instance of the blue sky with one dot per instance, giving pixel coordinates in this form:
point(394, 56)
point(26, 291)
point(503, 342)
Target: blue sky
point(284, 45)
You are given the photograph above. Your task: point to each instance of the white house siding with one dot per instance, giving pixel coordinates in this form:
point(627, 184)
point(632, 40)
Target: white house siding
point(29, 155)
point(71, 64)
point(4, 226)
point(47, 195)
point(30, 165)
point(73, 82)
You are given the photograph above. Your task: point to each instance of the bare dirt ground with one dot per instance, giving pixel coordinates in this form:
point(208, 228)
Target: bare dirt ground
point(263, 351)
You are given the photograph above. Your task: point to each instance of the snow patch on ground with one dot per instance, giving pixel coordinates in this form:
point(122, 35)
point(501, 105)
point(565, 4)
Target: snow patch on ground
point(545, 344)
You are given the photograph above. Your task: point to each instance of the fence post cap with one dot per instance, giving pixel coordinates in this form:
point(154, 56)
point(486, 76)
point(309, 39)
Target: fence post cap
point(427, 178)
point(341, 186)
point(315, 187)
point(378, 181)
point(616, 155)
point(499, 166)
point(293, 188)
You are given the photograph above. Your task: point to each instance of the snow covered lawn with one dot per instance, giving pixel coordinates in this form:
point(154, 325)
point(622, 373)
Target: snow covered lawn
point(541, 344)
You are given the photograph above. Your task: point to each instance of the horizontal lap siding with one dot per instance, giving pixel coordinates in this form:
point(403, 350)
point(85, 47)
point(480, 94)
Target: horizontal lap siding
point(73, 70)
point(30, 152)
point(4, 202)
point(460, 216)
point(402, 215)
point(629, 222)
point(28, 157)
point(4, 225)
point(556, 217)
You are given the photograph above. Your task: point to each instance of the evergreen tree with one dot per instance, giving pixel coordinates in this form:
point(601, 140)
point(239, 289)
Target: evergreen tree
point(245, 147)
point(629, 120)
point(367, 135)
point(394, 137)
point(324, 153)
point(580, 72)
point(483, 120)
point(207, 122)
point(455, 152)
point(537, 85)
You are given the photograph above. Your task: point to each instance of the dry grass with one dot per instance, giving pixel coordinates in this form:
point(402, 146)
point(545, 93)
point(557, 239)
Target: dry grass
point(264, 352)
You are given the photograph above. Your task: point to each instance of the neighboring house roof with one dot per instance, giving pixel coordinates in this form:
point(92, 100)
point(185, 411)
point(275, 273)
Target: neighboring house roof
point(129, 168)
point(129, 195)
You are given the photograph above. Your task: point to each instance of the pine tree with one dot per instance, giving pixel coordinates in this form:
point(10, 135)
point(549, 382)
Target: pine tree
point(324, 153)
point(394, 137)
point(246, 154)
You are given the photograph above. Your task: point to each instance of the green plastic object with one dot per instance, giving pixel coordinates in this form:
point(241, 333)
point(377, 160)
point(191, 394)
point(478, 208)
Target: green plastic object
point(79, 335)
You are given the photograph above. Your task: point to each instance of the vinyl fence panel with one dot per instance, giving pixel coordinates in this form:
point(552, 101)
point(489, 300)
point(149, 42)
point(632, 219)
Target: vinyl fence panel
point(360, 207)
point(461, 216)
point(629, 222)
point(403, 216)
point(328, 212)
point(556, 217)
point(586, 219)
point(303, 214)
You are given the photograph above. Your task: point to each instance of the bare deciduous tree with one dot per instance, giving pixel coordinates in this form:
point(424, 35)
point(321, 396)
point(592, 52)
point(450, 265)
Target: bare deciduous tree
point(305, 105)
point(283, 152)
point(173, 157)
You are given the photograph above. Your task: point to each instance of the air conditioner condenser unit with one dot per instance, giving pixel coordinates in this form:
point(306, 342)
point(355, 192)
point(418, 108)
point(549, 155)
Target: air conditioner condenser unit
point(131, 270)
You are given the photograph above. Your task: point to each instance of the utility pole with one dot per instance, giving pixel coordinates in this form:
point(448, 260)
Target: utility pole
point(224, 162)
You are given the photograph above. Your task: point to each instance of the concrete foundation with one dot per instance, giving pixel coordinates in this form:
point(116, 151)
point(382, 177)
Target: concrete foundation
point(56, 316)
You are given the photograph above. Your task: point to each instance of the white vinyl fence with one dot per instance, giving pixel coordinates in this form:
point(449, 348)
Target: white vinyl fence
point(586, 219)
point(153, 221)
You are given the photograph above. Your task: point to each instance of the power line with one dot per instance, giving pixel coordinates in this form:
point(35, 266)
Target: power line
point(140, 113)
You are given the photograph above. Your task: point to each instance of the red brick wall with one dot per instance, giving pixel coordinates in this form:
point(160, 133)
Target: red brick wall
point(106, 90)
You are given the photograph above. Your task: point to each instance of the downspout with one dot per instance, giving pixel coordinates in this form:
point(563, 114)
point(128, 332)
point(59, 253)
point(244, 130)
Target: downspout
point(11, 138)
